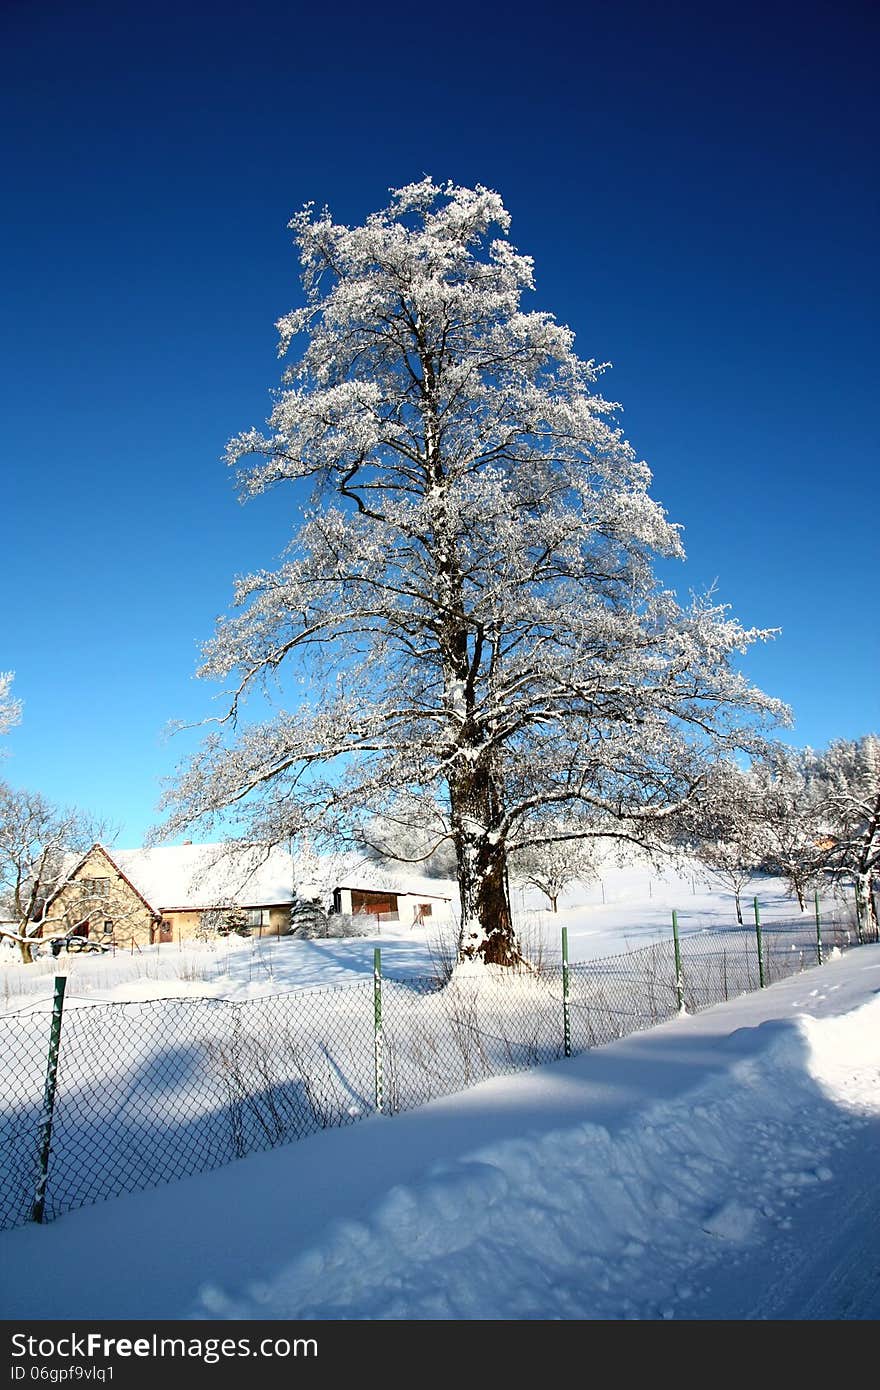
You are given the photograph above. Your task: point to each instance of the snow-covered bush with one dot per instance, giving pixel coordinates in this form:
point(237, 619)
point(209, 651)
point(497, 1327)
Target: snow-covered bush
point(309, 920)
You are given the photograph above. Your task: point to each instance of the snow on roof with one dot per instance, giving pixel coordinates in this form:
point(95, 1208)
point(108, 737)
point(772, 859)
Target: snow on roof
point(200, 876)
point(218, 875)
point(410, 890)
point(353, 870)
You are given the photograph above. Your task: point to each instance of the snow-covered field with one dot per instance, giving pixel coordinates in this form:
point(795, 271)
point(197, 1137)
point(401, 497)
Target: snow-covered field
point(719, 1166)
point(175, 1062)
point(629, 906)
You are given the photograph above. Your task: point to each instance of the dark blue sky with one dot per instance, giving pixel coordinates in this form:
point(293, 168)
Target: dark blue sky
point(697, 185)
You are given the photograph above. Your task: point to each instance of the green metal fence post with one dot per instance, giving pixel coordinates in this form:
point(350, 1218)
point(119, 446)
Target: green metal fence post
point(679, 975)
point(818, 927)
point(39, 1207)
point(377, 1025)
point(566, 995)
point(761, 979)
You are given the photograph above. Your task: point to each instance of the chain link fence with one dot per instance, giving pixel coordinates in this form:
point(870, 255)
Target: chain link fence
point(153, 1091)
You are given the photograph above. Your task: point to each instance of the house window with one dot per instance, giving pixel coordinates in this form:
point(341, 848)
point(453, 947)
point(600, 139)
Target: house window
point(95, 887)
point(108, 926)
point(256, 916)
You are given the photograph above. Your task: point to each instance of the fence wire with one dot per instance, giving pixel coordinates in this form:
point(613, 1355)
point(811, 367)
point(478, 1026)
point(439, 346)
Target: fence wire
point(153, 1091)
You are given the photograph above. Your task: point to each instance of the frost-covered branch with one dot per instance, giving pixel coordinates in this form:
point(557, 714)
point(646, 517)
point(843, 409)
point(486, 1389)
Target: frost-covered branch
point(10, 708)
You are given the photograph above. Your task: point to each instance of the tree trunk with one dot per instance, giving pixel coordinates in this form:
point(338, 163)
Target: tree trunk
point(739, 915)
point(486, 920)
point(486, 923)
point(865, 909)
point(27, 954)
point(554, 898)
point(475, 799)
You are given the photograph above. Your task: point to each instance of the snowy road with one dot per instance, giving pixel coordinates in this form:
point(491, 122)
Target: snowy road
point(719, 1166)
point(826, 1265)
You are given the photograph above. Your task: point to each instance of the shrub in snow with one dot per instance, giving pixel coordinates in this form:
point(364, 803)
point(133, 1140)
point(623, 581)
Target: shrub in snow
point(222, 921)
point(309, 920)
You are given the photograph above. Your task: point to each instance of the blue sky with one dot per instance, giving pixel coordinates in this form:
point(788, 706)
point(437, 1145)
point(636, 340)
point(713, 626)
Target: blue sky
point(697, 187)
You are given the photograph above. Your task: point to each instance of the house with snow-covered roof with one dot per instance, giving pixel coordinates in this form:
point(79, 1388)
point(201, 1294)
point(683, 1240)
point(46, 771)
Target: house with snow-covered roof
point(139, 897)
point(173, 893)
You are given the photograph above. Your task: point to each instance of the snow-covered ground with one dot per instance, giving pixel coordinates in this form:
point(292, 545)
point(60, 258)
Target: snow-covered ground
point(719, 1166)
point(629, 905)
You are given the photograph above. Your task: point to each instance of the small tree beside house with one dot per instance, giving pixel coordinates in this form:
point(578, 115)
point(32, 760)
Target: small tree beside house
point(222, 921)
point(38, 844)
point(309, 919)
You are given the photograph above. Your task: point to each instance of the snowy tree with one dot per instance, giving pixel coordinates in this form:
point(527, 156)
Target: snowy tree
point(469, 609)
point(790, 821)
point(551, 863)
point(39, 845)
point(10, 708)
point(721, 828)
point(849, 780)
point(308, 919)
point(222, 921)
point(414, 833)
